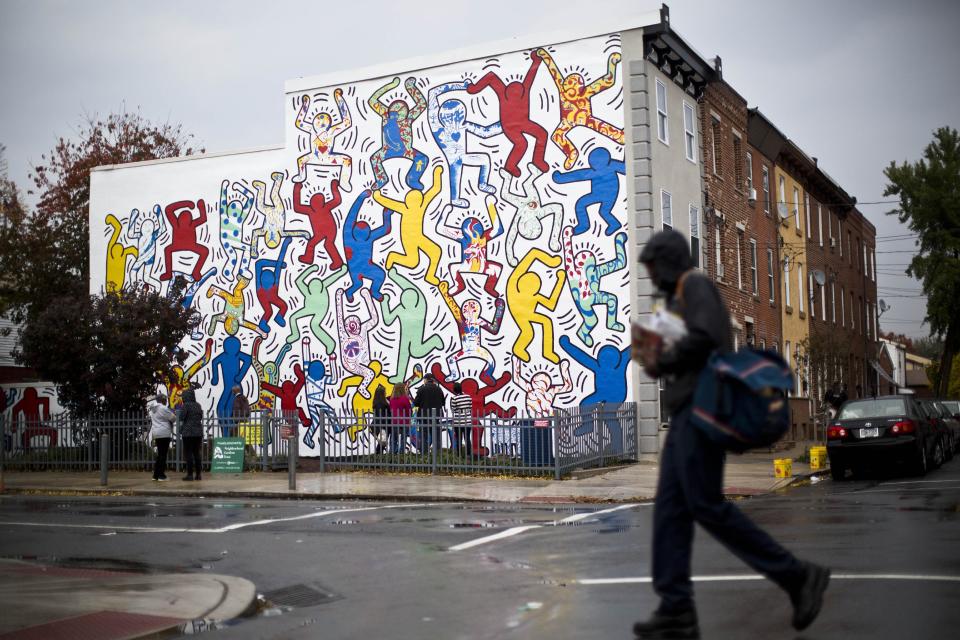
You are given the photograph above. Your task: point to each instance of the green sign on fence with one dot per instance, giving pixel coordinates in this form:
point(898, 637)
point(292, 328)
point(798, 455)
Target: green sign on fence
point(227, 455)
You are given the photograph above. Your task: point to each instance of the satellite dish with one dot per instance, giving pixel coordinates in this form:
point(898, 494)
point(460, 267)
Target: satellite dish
point(783, 210)
point(820, 277)
point(884, 307)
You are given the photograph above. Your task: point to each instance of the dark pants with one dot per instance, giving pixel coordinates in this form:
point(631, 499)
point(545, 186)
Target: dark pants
point(690, 490)
point(462, 437)
point(191, 451)
point(160, 465)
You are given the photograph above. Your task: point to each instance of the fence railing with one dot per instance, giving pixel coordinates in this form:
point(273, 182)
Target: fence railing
point(554, 444)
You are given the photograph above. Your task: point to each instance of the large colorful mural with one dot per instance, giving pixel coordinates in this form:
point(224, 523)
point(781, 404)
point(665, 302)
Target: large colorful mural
point(468, 220)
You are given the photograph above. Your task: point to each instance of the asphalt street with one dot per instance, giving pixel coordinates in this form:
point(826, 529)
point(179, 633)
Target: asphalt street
point(410, 570)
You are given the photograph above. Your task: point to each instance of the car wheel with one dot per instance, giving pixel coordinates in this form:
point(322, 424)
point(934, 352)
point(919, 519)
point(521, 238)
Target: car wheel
point(837, 472)
point(938, 454)
point(920, 464)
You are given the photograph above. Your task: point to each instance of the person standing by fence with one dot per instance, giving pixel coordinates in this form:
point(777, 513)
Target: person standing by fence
point(400, 411)
point(381, 419)
point(191, 431)
point(429, 402)
point(161, 431)
point(461, 408)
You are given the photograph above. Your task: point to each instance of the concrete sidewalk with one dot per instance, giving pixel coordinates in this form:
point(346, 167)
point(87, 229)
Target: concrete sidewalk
point(747, 474)
point(50, 602)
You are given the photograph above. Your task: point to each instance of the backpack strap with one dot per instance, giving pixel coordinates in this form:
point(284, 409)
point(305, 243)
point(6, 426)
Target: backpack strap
point(678, 294)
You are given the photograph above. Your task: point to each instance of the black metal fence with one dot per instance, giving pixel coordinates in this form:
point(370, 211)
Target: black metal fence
point(555, 444)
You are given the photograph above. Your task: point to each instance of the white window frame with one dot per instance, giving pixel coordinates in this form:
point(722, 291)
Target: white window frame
point(749, 172)
point(811, 294)
point(666, 207)
point(823, 303)
point(840, 235)
point(843, 306)
point(806, 212)
point(800, 286)
point(663, 120)
point(873, 265)
point(753, 267)
point(765, 173)
point(690, 132)
point(853, 312)
point(739, 261)
point(786, 281)
point(820, 223)
point(796, 207)
point(718, 251)
point(714, 135)
point(782, 182)
point(771, 277)
point(694, 213)
point(833, 302)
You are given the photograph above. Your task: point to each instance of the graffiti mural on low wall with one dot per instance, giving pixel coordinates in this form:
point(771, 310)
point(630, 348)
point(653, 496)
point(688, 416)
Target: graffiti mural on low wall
point(467, 220)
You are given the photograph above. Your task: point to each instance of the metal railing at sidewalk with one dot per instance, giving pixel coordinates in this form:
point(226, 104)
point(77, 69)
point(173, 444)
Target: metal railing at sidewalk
point(554, 444)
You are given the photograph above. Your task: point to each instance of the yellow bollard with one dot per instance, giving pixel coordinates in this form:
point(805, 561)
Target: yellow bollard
point(783, 468)
point(818, 458)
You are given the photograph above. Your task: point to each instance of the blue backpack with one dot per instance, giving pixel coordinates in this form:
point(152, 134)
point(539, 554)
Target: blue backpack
point(741, 399)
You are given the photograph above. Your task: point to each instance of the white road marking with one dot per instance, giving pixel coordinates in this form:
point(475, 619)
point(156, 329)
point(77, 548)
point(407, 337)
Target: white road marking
point(582, 516)
point(754, 576)
point(957, 480)
point(232, 527)
point(507, 533)
point(492, 538)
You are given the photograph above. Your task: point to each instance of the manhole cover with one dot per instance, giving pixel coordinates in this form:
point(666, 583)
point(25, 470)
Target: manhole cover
point(300, 595)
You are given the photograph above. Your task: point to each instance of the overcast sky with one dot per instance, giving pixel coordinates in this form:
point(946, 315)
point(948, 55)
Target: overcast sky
point(855, 83)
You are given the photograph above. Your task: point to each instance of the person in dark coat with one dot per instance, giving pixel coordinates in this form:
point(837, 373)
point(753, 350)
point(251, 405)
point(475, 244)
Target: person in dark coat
point(429, 402)
point(690, 487)
point(191, 431)
point(381, 418)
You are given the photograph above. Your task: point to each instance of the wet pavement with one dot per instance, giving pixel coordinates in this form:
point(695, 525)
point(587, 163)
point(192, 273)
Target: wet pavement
point(404, 569)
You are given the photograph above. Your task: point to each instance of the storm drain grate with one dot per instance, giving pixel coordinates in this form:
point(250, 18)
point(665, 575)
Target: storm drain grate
point(300, 595)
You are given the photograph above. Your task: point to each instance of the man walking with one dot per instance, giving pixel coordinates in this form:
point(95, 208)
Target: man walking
point(690, 487)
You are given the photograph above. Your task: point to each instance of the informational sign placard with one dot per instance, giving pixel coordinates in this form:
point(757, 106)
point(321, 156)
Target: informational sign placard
point(227, 455)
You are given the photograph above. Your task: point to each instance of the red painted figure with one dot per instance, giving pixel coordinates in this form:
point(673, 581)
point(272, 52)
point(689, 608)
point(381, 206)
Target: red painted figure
point(35, 410)
point(287, 393)
point(479, 396)
point(183, 228)
point(322, 222)
point(515, 116)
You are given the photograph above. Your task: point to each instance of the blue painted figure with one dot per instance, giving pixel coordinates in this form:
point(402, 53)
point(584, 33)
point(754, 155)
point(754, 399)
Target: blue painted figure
point(358, 241)
point(610, 382)
point(318, 376)
point(449, 125)
point(397, 132)
point(604, 188)
point(268, 274)
point(233, 365)
point(185, 283)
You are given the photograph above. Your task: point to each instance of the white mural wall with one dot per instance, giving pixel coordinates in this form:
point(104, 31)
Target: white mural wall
point(466, 220)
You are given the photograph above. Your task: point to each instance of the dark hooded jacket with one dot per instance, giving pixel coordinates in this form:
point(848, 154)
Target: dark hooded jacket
point(702, 310)
point(191, 416)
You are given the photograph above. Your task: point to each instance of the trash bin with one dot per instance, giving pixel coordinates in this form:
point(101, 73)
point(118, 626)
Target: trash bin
point(536, 444)
point(818, 458)
point(783, 468)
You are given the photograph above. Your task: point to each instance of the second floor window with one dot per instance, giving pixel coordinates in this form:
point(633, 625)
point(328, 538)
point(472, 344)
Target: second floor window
point(663, 132)
point(666, 209)
point(695, 235)
point(766, 189)
point(715, 144)
point(689, 135)
point(753, 267)
point(796, 207)
point(771, 280)
point(749, 163)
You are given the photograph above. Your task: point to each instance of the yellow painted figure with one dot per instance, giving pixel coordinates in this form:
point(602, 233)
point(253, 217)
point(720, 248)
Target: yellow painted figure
point(413, 210)
point(233, 310)
point(523, 297)
point(181, 379)
point(363, 407)
point(117, 255)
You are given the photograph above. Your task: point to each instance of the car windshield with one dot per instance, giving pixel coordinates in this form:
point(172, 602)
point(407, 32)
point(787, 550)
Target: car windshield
point(953, 406)
point(876, 408)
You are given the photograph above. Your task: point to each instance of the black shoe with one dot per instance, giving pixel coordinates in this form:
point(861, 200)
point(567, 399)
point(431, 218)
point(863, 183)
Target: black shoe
point(808, 598)
point(188, 478)
point(661, 625)
point(197, 479)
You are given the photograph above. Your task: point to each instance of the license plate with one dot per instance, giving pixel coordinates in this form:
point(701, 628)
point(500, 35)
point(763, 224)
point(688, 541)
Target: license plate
point(870, 433)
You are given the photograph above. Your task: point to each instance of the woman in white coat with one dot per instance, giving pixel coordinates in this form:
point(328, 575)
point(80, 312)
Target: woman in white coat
point(161, 432)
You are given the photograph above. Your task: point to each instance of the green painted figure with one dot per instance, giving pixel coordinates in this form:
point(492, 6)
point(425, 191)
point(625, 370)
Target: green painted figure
point(412, 313)
point(316, 303)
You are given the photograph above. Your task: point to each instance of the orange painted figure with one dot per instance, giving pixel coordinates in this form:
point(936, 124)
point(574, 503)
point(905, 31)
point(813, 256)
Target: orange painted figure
point(575, 107)
point(181, 379)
